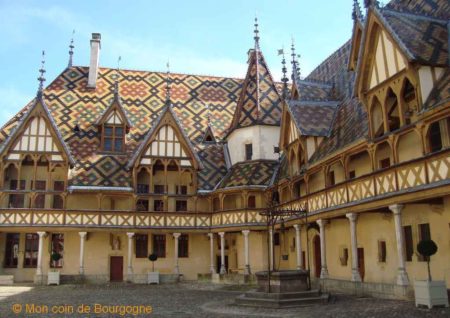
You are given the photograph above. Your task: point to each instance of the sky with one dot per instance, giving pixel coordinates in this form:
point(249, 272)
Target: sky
point(197, 37)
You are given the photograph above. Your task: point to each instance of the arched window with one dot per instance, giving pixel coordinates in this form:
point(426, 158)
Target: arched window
point(434, 137)
point(251, 202)
point(392, 110)
point(377, 119)
point(409, 100)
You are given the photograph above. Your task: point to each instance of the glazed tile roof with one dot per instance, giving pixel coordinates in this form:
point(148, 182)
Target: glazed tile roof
point(250, 173)
point(439, 9)
point(310, 90)
point(313, 118)
point(424, 39)
point(142, 96)
point(259, 101)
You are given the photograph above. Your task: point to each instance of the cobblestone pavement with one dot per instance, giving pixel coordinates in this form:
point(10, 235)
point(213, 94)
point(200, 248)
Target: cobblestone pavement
point(187, 300)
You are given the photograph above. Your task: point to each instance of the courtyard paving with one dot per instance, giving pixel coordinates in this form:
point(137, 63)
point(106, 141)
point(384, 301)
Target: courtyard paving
point(182, 300)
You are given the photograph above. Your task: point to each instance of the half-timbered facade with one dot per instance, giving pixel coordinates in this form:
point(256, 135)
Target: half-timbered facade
point(106, 166)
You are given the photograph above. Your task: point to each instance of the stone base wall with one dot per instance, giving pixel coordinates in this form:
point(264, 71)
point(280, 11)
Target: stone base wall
point(6, 279)
point(387, 291)
point(233, 279)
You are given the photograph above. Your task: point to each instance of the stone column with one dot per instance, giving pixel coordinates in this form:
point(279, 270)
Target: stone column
point(298, 246)
point(271, 249)
point(82, 240)
point(356, 276)
point(39, 257)
point(323, 254)
point(130, 255)
point(212, 269)
point(176, 269)
point(402, 276)
point(223, 269)
point(246, 252)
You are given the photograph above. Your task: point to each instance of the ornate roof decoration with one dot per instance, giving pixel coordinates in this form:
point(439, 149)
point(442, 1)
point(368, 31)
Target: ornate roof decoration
point(209, 132)
point(357, 13)
point(115, 105)
point(259, 102)
point(71, 47)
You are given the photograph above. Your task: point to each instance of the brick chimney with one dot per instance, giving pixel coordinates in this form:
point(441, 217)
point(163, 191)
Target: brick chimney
point(95, 55)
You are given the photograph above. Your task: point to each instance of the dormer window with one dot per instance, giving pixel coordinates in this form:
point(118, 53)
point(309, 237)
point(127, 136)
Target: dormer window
point(113, 138)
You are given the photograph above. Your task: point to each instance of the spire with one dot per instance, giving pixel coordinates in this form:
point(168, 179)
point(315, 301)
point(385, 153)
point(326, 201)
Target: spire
point(357, 13)
point(371, 3)
point(295, 67)
point(284, 79)
point(168, 84)
point(71, 47)
point(256, 37)
point(41, 78)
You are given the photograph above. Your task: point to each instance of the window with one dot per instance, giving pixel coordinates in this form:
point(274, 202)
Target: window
point(57, 247)
point(58, 186)
point(11, 250)
point(113, 138)
point(424, 234)
point(39, 201)
point(248, 151)
point(251, 204)
point(382, 251)
point(143, 188)
point(276, 239)
point(181, 205)
point(142, 205)
point(159, 188)
point(16, 200)
point(352, 174)
point(141, 245)
point(31, 250)
point(434, 137)
point(158, 205)
point(159, 245)
point(409, 250)
point(58, 202)
point(331, 178)
point(385, 163)
point(181, 189)
point(183, 245)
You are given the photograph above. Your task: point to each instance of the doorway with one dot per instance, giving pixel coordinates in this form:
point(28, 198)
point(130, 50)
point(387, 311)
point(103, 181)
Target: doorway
point(218, 263)
point(317, 257)
point(116, 269)
point(361, 262)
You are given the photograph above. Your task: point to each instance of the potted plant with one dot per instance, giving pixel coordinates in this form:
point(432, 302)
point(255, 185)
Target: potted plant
point(53, 275)
point(427, 292)
point(153, 277)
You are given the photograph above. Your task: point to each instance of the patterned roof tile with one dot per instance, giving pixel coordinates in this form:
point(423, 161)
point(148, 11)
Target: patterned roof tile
point(250, 173)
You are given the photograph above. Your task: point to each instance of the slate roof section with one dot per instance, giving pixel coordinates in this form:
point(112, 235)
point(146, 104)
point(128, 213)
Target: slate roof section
point(313, 118)
point(314, 91)
point(250, 173)
point(425, 39)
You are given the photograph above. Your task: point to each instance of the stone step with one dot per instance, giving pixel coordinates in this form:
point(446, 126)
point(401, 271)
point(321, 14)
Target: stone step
point(281, 303)
point(288, 295)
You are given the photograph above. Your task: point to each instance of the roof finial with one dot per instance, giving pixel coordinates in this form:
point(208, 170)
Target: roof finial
point(357, 13)
point(284, 79)
point(295, 67)
point(41, 78)
point(71, 47)
point(371, 3)
point(208, 115)
point(256, 31)
point(168, 83)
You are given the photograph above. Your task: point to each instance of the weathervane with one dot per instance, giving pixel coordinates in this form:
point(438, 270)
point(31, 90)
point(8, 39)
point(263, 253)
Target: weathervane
point(71, 47)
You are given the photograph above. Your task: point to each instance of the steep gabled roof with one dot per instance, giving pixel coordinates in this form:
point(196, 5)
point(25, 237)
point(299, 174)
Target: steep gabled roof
point(155, 128)
point(116, 104)
point(37, 104)
point(259, 102)
point(250, 173)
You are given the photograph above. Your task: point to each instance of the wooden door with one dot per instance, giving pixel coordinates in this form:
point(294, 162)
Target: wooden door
point(317, 257)
point(116, 269)
point(361, 262)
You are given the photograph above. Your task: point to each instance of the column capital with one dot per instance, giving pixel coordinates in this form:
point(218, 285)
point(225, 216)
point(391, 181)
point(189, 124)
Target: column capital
point(396, 208)
point(41, 234)
point(130, 235)
point(322, 222)
point(82, 234)
point(296, 227)
point(245, 232)
point(176, 235)
point(211, 235)
point(351, 216)
point(221, 234)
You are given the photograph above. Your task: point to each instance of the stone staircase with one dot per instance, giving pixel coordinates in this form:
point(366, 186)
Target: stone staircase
point(282, 300)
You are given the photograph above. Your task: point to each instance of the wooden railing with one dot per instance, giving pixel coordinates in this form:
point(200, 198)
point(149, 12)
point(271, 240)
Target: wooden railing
point(412, 175)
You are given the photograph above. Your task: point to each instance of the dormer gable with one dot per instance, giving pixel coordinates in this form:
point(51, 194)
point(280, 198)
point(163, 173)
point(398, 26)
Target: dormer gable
point(36, 133)
point(166, 139)
point(208, 137)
